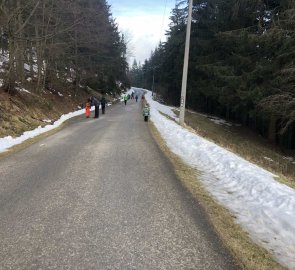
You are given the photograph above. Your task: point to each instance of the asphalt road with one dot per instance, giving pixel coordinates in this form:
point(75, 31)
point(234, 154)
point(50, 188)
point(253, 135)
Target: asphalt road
point(99, 194)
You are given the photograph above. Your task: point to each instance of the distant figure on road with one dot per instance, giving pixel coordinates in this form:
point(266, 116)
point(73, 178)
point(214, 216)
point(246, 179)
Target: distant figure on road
point(103, 104)
point(142, 100)
point(88, 107)
point(125, 99)
point(146, 112)
point(95, 103)
point(136, 98)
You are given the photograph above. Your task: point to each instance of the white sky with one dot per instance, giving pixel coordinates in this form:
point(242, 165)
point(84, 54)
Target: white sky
point(263, 207)
point(144, 21)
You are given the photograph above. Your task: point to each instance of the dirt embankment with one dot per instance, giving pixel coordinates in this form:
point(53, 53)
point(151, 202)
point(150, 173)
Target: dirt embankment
point(27, 110)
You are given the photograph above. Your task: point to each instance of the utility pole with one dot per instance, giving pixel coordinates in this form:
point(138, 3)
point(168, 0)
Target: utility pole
point(185, 64)
point(153, 86)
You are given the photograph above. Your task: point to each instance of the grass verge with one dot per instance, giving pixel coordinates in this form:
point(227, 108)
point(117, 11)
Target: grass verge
point(247, 253)
point(247, 144)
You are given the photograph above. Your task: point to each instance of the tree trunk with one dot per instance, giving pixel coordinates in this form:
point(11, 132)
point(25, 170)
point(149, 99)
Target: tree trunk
point(20, 47)
point(10, 83)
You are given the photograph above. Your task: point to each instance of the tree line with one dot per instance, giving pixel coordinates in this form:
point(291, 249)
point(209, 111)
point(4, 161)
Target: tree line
point(241, 64)
point(58, 40)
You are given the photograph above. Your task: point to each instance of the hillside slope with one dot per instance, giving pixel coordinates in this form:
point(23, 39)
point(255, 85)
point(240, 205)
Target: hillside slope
point(27, 110)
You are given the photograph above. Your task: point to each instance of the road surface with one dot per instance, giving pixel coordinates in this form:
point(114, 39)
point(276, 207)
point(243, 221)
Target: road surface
point(99, 194)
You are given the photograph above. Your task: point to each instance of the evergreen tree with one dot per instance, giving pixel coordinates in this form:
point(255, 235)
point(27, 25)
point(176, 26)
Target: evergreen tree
point(241, 63)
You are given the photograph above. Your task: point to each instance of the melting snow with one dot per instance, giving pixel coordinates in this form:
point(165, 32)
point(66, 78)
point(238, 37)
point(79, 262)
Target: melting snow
point(263, 206)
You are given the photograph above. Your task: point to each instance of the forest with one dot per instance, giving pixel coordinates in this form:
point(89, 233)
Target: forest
point(45, 43)
point(241, 64)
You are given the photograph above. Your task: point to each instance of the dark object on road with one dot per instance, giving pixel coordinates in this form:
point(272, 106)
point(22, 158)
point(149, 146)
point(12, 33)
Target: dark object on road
point(136, 98)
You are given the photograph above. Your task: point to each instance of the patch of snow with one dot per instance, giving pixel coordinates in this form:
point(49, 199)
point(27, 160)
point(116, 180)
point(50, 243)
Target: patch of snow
point(46, 120)
point(216, 120)
point(7, 142)
point(35, 68)
point(288, 158)
point(1, 82)
point(264, 207)
point(4, 58)
point(27, 67)
point(21, 89)
point(29, 79)
point(60, 94)
point(269, 159)
point(219, 121)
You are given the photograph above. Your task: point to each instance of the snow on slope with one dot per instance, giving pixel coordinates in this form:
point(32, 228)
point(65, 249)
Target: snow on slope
point(8, 141)
point(263, 206)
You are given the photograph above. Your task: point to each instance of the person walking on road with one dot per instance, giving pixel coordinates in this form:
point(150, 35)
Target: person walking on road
point(125, 99)
point(88, 107)
point(136, 98)
point(142, 100)
point(146, 112)
point(103, 104)
point(95, 103)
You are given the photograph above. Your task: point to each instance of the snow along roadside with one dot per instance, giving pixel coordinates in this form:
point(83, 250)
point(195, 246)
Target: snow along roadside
point(7, 142)
point(263, 207)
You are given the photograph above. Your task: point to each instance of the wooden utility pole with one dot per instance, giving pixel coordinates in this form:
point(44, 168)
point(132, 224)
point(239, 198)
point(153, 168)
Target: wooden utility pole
point(185, 65)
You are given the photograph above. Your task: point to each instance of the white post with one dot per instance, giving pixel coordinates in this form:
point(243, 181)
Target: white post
point(153, 86)
point(185, 64)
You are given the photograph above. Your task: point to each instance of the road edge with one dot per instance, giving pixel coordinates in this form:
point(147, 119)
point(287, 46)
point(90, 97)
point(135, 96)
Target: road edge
point(249, 254)
point(18, 147)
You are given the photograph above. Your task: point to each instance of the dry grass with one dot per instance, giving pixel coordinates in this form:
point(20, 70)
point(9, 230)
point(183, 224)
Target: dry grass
point(247, 253)
point(25, 111)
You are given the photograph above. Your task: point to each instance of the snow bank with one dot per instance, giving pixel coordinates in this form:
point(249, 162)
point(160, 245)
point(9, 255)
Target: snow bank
point(262, 206)
point(7, 142)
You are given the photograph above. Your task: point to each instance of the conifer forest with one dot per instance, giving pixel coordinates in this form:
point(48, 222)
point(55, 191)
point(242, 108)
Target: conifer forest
point(241, 64)
point(50, 41)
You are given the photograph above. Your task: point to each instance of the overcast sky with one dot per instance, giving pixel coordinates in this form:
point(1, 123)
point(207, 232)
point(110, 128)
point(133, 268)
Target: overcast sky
point(144, 21)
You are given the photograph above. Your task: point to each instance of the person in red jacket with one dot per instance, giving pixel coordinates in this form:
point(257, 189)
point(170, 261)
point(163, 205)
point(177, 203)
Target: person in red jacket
point(88, 107)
